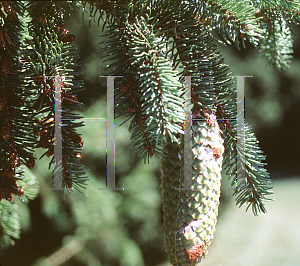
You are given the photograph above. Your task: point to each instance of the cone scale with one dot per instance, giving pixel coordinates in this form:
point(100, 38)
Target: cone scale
point(190, 215)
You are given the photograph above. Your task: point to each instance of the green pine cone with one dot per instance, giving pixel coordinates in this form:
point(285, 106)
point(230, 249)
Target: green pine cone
point(190, 215)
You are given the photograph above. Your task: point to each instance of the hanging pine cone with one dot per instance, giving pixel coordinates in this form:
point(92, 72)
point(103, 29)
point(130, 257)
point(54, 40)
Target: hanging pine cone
point(190, 216)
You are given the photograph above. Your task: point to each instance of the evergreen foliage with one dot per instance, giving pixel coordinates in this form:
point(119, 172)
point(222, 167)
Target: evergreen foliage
point(29, 66)
point(10, 223)
point(49, 52)
point(153, 44)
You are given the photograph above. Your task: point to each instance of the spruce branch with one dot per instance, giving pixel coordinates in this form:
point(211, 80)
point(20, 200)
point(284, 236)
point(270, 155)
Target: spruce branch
point(289, 10)
point(278, 43)
point(49, 53)
point(9, 223)
point(160, 90)
point(16, 140)
point(228, 21)
point(138, 44)
point(250, 180)
point(16, 123)
point(29, 183)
